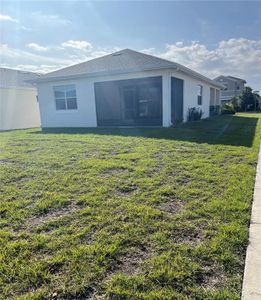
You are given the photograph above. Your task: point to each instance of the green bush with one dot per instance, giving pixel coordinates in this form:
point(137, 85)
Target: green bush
point(228, 109)
point(194, 114)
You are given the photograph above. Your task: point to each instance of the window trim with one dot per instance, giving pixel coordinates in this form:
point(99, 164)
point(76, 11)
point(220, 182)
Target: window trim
point(217, 97)
point(65, 98)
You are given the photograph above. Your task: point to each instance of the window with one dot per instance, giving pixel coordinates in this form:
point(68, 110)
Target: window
point(65, 97)
point(148, 97)
point(200, 91)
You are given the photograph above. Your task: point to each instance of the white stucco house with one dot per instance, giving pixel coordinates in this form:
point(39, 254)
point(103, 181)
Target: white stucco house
point(18, 103)
point(125, 88)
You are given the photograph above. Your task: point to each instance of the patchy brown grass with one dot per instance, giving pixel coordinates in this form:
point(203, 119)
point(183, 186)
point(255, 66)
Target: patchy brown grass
point(156, 214)
point(53, 215)
point(174, 206)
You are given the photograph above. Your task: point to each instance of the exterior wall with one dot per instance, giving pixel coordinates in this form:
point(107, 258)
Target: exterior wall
point(85, 115)
point(18, 108)
point(190, 94)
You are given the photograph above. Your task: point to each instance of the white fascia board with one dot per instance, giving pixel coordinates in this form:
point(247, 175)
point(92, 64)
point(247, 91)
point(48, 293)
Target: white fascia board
point(94, 74)
point(18, 88)
point(178, 68)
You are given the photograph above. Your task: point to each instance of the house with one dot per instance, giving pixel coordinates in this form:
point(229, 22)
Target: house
point(18, 103)
point(233, 87)
point(125, 88)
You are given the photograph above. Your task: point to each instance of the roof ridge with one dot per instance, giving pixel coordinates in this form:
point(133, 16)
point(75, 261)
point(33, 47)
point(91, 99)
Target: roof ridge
point(92, 59)
point(153, 56)
point(132, 61)
point(113, 54)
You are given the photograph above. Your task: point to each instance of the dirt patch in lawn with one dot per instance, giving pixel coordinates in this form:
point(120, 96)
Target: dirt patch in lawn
point(173, 206)
point(126, 190)
point(113, 171)
point(96, 296)
point(183, 180)
point(189, 236)
point(32, 150)
point(5, 161)
point(130, 263)
point(215, 278)
point(51, 216)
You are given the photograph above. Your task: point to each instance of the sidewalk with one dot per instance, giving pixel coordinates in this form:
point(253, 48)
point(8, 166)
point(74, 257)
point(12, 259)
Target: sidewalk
point(252, 275)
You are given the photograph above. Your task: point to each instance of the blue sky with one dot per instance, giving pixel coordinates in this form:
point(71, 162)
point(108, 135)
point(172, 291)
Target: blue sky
point(212, 37)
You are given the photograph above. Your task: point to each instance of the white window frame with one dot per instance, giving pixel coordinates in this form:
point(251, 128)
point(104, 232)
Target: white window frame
point(200, 88)
point(63, 89)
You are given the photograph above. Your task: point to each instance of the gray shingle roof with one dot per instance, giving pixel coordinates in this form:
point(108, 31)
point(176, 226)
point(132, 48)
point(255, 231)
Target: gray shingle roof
point(16, 78)
point(119, 62)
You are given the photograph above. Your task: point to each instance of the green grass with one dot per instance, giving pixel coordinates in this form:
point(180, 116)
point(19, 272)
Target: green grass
point(127, 213)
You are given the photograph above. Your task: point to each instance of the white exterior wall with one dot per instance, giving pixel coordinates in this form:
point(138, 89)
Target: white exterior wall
point(166, 99)
point(18, 108)
point(190, 94)
point(85, 115)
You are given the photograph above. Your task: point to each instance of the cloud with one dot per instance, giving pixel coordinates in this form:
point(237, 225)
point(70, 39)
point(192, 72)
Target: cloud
point(36, 47)
point(49, 20)
point(7, 18)
point(148, 50)
point(38, 69)
point(191, 55)
point(42, 61)
point(25, 28)
point(239, 57)
point(81, 45)
point(17, 55)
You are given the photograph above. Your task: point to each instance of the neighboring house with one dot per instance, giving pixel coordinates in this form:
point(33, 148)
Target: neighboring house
point(233, 87)
point(125, 88)
point(18, 104)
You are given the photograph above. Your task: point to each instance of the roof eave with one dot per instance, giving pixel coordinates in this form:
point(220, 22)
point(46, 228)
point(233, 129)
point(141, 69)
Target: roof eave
point(132, 70)
point(201, 77)
point(17, 87)
point(95, 74)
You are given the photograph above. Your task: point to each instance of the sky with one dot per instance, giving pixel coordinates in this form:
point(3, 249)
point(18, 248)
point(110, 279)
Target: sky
point(211, 37)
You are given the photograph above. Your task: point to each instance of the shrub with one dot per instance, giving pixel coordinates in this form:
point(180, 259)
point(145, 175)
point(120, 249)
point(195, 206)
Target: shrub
point(214, 110)
point(235, 103)
point(194, 114)
point(228, 109)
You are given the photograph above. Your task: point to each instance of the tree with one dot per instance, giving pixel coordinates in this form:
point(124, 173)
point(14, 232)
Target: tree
point(257, 99)
point(248, 99)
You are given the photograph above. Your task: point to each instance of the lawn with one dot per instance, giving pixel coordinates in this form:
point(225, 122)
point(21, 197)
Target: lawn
point(127, 213)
